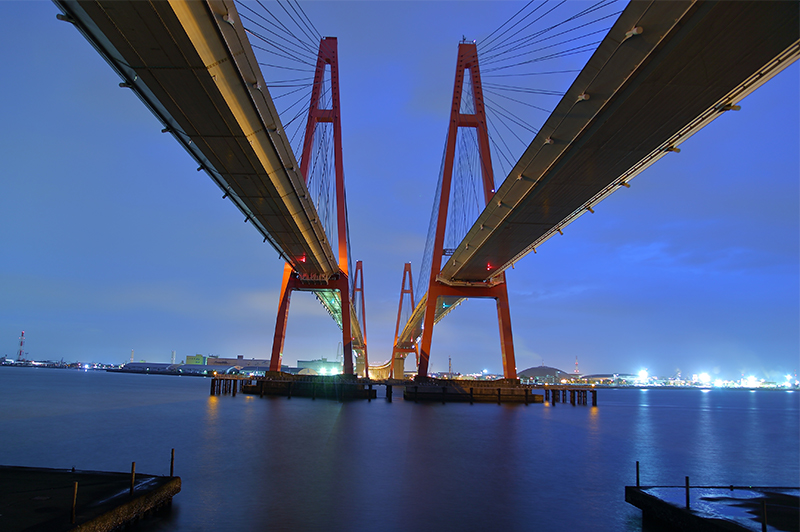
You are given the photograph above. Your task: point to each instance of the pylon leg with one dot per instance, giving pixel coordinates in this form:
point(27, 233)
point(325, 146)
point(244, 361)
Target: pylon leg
point(347, 333)
point(427, 331)
point(506, 338)
point(281, 320)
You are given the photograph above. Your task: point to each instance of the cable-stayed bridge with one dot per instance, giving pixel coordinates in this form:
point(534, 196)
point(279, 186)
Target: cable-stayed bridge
point(192, 65)
point(664, 70)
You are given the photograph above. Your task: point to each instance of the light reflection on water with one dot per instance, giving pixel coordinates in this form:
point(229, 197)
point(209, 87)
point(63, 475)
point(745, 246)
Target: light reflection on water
point(300, 464)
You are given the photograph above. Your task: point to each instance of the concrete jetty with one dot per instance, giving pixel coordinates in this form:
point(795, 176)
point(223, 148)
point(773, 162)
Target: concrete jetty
point(55, 500)
point(717, 508)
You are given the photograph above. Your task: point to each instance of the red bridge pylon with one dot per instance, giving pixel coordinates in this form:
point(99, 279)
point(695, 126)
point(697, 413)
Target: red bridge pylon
point(401, 351)
point(292, 280)
point(496, 287)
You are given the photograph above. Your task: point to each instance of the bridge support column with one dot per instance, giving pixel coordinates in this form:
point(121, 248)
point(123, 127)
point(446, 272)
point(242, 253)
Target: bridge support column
point(318, 113)
point(467, 78)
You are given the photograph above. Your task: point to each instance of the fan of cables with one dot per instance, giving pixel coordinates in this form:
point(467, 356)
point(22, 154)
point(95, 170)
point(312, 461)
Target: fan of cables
point(286, 44)
point(528, 63)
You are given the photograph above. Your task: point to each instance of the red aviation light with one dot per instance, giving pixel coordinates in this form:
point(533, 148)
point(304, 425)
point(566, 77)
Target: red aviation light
point(488, 266)
point(303, 258)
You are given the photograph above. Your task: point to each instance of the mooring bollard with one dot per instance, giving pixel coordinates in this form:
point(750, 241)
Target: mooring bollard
point(74, 501)
point(637, 473)
point(172, 463)
point(687, 492)
point(133, 475)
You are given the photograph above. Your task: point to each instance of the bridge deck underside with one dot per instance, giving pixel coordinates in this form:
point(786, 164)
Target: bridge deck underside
point(197, 73)
point(646, 93)
point(199, 76)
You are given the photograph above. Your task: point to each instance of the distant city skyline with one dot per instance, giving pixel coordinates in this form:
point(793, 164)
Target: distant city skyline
point(112, 240)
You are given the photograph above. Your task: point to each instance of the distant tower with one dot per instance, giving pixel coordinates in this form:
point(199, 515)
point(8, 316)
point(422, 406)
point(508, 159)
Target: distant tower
point(173, 356)
point(450, 366)
point(576, 366)
point(21, 352)
point(131, 355)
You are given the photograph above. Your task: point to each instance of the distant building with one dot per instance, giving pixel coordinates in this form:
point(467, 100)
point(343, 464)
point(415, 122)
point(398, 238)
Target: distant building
point(196, 359)
point(238, 361)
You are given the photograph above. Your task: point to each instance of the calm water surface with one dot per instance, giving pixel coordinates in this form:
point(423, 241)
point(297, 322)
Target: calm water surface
point(250, 463)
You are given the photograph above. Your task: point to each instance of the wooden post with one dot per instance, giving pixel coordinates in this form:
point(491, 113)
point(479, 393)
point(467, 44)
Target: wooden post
point(133, 475)
point(594, 397)
point(687, 492)
point(233, 387)
point(74, 501)
point(637, 473)
point(389, 392)
point(172, 463)
point(213, 382)
point(572, 397)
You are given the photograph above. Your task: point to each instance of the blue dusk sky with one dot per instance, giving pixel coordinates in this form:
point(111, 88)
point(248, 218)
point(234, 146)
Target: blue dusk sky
point(113, 241)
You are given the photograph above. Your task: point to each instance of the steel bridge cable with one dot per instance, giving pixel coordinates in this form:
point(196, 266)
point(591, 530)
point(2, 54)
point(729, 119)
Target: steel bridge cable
point(285, 56)
point(300, 48)
point(537, 41)
point(506, 22)
point(588, 47)
point(504, 43)
point(319, 35)
point(281, 32)
point(507, 114)
point(529, 52)
point(516, 23)
point(506, 155)
point(515, 88)
point(285, 67)
point(305, 44)
point(305, 20)
point(489, 91)
point(531, 74)
point(309, 37)
point(599, 5)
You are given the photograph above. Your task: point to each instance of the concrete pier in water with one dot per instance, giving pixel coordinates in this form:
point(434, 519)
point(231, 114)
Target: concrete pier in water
point(55, 500)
